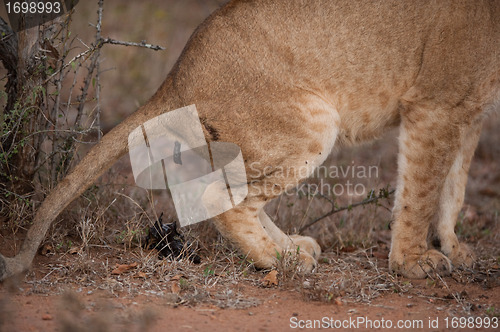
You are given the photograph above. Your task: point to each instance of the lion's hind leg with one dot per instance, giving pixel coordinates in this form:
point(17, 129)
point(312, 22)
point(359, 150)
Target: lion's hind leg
point(452, 198)
point(425, 158)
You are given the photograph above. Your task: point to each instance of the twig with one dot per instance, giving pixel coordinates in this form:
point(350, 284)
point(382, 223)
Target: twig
point(460, 301)
point(56, 110)
point(100, 42)
point(97, 74)
point(141, 44)
point(370, 199)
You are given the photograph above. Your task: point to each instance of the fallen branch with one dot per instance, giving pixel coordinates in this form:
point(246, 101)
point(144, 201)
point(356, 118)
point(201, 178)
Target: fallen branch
point(384, 193)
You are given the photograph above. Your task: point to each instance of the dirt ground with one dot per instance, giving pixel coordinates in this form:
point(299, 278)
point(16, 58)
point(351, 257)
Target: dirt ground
point(276, 312)
point(351, 289)
point(107, 284)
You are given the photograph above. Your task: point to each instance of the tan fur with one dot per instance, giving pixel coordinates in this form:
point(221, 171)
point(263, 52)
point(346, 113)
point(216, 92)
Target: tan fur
point(285, 79)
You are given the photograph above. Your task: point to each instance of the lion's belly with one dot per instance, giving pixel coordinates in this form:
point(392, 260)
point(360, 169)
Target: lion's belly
point(365, 118)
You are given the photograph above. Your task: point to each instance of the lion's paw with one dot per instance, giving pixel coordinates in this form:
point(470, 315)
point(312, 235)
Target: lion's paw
point(420, 266)
point(307, 244)
point(307, 263)
point(462, 256)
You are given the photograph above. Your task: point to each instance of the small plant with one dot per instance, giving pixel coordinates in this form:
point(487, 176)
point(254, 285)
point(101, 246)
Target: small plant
point(278, 255)
point(208, 271)
point(492, 312)
point(183, 283)
point(86, 230)
point(64, 245)
point(289, 265)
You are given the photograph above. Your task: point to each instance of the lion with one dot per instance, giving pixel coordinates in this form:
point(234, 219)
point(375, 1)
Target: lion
point(286, 80)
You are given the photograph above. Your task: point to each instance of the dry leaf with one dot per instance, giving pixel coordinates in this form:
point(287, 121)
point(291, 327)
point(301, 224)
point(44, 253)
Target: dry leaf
point(74, 250)
point(177, 277)
point(175, 287)
point(270, 279)
point(122, 268)
point(338, 301)
point(348, 249)
point(140, 274)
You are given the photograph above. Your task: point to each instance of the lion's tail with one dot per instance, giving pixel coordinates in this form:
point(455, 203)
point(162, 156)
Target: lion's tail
point(102, 156)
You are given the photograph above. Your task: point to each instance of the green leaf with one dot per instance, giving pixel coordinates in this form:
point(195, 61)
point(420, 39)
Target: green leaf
point(208, 271)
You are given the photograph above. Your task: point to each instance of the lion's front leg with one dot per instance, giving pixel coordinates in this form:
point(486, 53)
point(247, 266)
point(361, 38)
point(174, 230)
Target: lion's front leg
point(243, 227)
point(305, 245)
point(429, 144)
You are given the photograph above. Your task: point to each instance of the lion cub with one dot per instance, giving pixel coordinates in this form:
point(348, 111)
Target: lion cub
point(286, 80)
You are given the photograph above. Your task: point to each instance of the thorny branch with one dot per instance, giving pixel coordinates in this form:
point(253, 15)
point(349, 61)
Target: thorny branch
point(35, 113)
point(8, 57)
point(141, 44)
point(384, 193)
point(94, 65)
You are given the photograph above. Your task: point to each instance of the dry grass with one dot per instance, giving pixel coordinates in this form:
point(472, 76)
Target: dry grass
point(106, 227)
point(353, 268)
